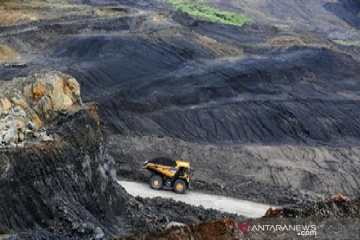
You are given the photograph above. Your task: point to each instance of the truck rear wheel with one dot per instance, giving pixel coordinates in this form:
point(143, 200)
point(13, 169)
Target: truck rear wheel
point(156, 182)
point(180, 186)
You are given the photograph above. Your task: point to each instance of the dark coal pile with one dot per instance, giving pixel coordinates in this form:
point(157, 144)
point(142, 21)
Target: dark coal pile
point(163, 161)
point(173, 211)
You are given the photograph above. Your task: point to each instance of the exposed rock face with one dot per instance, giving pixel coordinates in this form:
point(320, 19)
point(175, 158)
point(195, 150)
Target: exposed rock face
point(29, 104)
point(65, 184)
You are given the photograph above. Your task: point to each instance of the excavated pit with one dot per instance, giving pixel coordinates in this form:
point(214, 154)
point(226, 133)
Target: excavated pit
point(267, 111)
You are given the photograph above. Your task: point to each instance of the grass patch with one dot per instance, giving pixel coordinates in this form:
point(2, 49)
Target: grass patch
point(346, 43)
point(199, 11)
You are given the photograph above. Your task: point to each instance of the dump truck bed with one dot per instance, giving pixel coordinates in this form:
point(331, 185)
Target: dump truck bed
point(163, 161)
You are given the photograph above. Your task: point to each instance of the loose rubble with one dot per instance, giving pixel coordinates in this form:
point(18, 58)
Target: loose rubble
point(220, 230)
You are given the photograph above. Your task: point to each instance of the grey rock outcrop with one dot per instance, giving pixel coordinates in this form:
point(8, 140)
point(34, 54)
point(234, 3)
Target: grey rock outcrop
point(29, 104)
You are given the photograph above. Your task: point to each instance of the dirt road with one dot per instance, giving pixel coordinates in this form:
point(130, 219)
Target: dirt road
point(225, 204)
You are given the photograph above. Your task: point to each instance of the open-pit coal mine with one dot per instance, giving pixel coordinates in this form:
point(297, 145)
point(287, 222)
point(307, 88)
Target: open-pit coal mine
point(262, 98)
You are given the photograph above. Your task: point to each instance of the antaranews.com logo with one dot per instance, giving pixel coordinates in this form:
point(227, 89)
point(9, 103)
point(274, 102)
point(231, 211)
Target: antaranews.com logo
point(301, 230)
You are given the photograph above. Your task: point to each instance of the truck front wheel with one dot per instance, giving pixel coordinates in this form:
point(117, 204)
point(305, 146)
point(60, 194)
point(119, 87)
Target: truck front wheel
point(179, 186)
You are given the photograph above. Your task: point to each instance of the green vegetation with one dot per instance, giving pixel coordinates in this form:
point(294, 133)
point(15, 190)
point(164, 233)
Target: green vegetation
point(200, 11)
point(346, 43)
point(283, 27)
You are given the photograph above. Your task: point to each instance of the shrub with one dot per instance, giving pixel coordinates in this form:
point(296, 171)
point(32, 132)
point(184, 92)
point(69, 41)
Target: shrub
point(203, 12)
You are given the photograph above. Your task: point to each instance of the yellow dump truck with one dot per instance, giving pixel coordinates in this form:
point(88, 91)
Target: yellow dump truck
point(169, 174)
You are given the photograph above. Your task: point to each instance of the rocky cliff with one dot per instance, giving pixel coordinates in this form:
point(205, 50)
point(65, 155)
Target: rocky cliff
point(65, 185)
